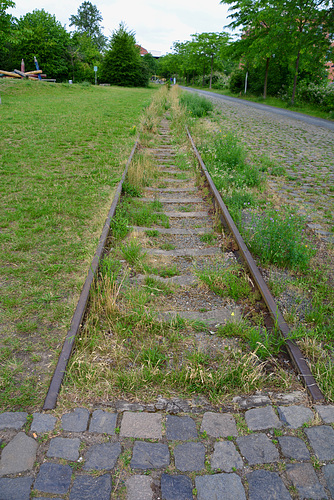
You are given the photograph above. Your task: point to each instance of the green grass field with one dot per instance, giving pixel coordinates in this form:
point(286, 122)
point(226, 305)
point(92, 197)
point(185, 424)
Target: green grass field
point(63, 149)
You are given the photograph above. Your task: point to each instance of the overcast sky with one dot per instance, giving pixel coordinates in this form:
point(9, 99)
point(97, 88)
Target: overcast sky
point(157, 23)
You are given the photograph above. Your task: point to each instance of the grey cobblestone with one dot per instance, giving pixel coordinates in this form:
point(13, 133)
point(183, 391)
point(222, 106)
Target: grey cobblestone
point(189, 457)
point(220, 486)
point(226, 457)
point(258, 419)
point(103, 422)
point(219, 424)
point(53, 478)
point(180, 428)
point(326, 413)
point(141, 425)
point(265, 485)
point(102, 456)
point(17, 488)
point(257, 449)
point(293, 447)
point(19, 455)
point(295, 416)
point(76, 421)
point(322, 441)
point(306, 481)
point(13, 420)
point(66, 448)
point(149, 455)
point(43, 423)
point(176, 487)
point(138, 487)
point(249, 455)
point(91, 488)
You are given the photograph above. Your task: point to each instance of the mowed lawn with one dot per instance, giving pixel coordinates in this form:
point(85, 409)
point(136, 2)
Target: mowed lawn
point(62, 151)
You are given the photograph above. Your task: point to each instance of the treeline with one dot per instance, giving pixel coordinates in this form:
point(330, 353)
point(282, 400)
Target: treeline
point(72, 56)
point(280, 43)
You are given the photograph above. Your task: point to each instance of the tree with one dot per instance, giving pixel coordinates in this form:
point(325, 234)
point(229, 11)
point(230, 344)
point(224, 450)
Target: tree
point(88, 21)
point(292, 28)
point(122, 63)
point(6, 22)
point(40, 34)
point(207, 46)
point(84, 56)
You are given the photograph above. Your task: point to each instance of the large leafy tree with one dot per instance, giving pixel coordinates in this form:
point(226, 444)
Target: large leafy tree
point(207, 47)
point(122, 64)
point(87, 21)
point(6, 22)
point(290, 28)
point(40, 34)
point(84, 55)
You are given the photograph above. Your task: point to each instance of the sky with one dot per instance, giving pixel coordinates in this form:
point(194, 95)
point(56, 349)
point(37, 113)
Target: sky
point(156, 23)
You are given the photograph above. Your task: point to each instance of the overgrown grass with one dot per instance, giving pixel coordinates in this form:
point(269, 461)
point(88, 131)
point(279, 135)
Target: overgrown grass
point(278, 237)
point(63, 148)
point(231, 281)
point(196, 105)
point(225, 158)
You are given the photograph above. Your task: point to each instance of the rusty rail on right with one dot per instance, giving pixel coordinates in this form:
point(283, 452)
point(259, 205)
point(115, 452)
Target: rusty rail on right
point(295, 353)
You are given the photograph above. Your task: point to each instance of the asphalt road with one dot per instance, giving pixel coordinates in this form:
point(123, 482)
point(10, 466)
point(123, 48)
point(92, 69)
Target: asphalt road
point(311, 120)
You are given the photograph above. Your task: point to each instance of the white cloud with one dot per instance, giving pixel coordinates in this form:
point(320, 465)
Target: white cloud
point(156, 24)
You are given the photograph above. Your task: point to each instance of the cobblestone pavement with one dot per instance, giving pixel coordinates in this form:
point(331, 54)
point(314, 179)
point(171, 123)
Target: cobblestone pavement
point(263, 447)
point(304, 150)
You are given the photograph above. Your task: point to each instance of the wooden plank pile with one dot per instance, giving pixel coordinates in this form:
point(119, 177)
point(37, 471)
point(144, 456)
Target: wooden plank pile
point(37, 74)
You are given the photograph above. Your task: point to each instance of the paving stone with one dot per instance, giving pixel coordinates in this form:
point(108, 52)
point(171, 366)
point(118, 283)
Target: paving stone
point(102, 456)
point(91, 488)
point(53, 478)
point(257, 449)
point(322, 441)
point(139, 488)
point(189, 456)
point(141, 425)
point(252, 401)
point(326, 413)
point(43, 423)
point(219, 424)
point(258, 419)
point(293, 447)
point(19, 455)
point(265, 485)
point(66, 448)
point(76, 421)
point(17, 488)
point(149, 455)
point(180, 428)
point(13, 420)
point(176, 487)
point(220, 486)
point(103, 422)
point(295, 416)
point(306, 481)
point(226, 457)
point(122, 406)
point(328, 472)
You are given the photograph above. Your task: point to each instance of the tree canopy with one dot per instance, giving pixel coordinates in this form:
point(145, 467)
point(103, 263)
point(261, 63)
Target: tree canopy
point(122, 63)
point(88, 20)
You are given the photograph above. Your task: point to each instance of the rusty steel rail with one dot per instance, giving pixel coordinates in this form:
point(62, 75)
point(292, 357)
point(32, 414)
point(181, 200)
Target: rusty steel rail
point(58, 375)
point(295, 353)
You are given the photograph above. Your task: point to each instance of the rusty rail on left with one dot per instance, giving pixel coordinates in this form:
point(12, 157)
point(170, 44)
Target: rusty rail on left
point(58, 375)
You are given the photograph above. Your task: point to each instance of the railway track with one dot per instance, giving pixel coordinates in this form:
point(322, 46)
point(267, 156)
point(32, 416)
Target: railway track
point(183, 263)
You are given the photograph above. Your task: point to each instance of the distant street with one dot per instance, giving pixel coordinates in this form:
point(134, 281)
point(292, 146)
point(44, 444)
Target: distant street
point(319, 122)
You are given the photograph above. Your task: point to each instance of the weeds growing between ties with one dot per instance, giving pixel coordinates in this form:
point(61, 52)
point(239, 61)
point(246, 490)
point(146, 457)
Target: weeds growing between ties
point(124, 350)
